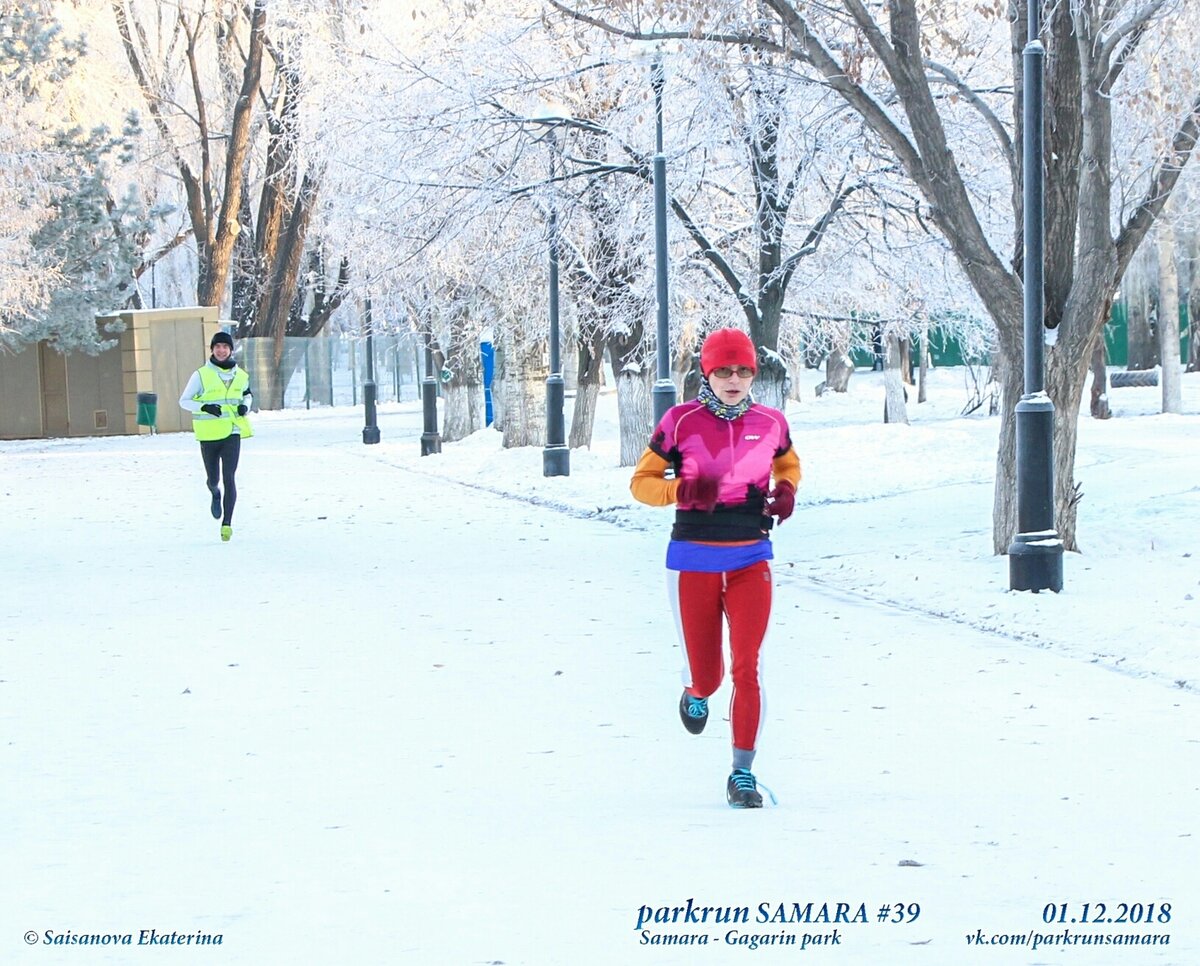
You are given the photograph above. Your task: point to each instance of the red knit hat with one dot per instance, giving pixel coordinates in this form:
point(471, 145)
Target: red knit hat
point(727, 347)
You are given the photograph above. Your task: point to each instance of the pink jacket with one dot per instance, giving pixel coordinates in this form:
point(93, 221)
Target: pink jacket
point(745, 454)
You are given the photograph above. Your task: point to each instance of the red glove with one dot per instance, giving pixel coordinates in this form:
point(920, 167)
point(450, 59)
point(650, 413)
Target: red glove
point(783, 500)
point(698, 494)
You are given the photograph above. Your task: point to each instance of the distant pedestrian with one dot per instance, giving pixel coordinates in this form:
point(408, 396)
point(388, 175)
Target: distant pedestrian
point(735, 474)
point(218, 397)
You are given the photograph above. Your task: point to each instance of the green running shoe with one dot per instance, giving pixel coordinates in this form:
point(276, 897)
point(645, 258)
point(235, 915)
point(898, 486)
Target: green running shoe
point(226, 534)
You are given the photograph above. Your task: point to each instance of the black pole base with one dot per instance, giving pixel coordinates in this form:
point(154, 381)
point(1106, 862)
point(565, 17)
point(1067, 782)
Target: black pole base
point(556, 457)
point(556, 461)
point(663, 398)
point(556, 431)
point(431, 439)
point(370, 430)
point(1035, 562)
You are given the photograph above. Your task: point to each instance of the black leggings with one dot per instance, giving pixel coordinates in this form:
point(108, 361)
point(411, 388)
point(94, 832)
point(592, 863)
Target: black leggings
point(220, 461)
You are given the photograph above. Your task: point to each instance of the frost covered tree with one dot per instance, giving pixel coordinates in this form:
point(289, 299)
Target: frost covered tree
point(890, 63)
point(241, 97)
point(779, 172)
point(169, 51)
point(73, 223)
point(97, 241)
point(411, 188)
point(760, 174)
point(35, 58)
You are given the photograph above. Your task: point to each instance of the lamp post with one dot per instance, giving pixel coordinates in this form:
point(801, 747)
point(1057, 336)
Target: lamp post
point(1035, 555)
point(556, 456)
point(431, 441)
point(664, 387)
point(370, 433)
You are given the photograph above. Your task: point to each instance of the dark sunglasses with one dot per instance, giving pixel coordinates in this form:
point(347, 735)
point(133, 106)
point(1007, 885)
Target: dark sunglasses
point(724, 372)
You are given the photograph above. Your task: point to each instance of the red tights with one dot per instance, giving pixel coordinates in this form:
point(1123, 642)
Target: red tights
point(703, 602)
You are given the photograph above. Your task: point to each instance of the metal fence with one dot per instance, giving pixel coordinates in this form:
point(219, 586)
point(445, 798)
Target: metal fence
point(330, 371)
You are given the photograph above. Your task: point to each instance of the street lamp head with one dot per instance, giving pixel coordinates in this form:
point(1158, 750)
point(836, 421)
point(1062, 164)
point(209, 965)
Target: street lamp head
point(551, 113)
point(647, 50)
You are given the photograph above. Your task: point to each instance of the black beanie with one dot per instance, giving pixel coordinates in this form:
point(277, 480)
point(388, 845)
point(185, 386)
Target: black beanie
point(222, 337)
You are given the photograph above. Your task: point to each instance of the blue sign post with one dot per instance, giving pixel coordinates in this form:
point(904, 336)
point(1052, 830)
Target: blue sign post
point(488, 353)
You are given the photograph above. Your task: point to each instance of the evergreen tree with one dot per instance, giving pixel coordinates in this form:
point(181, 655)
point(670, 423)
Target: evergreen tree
point(35, 58)
point(69, 248)
point(94, 239)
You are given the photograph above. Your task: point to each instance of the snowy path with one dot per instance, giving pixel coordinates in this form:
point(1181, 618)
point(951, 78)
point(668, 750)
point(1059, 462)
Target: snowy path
point(398, 721)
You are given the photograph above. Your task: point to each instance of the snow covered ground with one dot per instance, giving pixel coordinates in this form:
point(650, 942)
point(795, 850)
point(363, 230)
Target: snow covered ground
point(422, 710)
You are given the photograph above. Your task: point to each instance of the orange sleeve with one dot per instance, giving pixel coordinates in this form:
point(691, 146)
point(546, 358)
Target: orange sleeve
point(786, 468)
point(648, 484)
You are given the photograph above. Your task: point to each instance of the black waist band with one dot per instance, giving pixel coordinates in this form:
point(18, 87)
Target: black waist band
point(723, 525)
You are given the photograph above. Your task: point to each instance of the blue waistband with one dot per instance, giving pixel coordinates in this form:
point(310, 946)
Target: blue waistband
point(715, 558)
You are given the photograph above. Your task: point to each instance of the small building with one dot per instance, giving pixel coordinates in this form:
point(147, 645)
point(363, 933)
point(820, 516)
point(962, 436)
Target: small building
point(46, 394)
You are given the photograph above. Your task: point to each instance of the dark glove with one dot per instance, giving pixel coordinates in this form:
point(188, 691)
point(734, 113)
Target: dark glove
point(700, 493)
point(242, 410)
point(782, 501)
point(211, 408)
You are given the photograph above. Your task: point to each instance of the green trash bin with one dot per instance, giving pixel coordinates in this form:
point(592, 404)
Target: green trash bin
point(147, 409)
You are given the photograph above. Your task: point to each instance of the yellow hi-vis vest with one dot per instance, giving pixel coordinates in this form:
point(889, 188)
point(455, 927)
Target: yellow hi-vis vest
point(229, 397)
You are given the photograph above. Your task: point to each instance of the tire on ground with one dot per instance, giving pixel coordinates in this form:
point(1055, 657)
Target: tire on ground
point(1136, 377)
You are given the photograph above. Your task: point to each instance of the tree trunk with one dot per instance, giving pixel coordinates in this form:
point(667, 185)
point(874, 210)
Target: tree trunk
point(245, 278)
point(1065, 376)
point(1064, 385)
point(838, 370)
point(589, 369)
point(1194, 303)
point(1168, 319)
point(461, 412)
point(1008, 374)
point(636, 408)
point(524, 396)
point(1099, 403)
point(693, 379)
point(894, 409)
point(771, 384)
point(923, 369)
point(462, 393)
point(583, 415)
point(279, 295)
point(994, 395)
point(499, 384)
point(463, 400)
point(1141, 352)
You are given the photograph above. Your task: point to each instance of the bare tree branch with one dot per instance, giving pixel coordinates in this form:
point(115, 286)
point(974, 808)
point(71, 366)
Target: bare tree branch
point(1167, 170)
point(985, 111)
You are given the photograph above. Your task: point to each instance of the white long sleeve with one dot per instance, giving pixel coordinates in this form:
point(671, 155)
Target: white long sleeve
point(194, 387)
